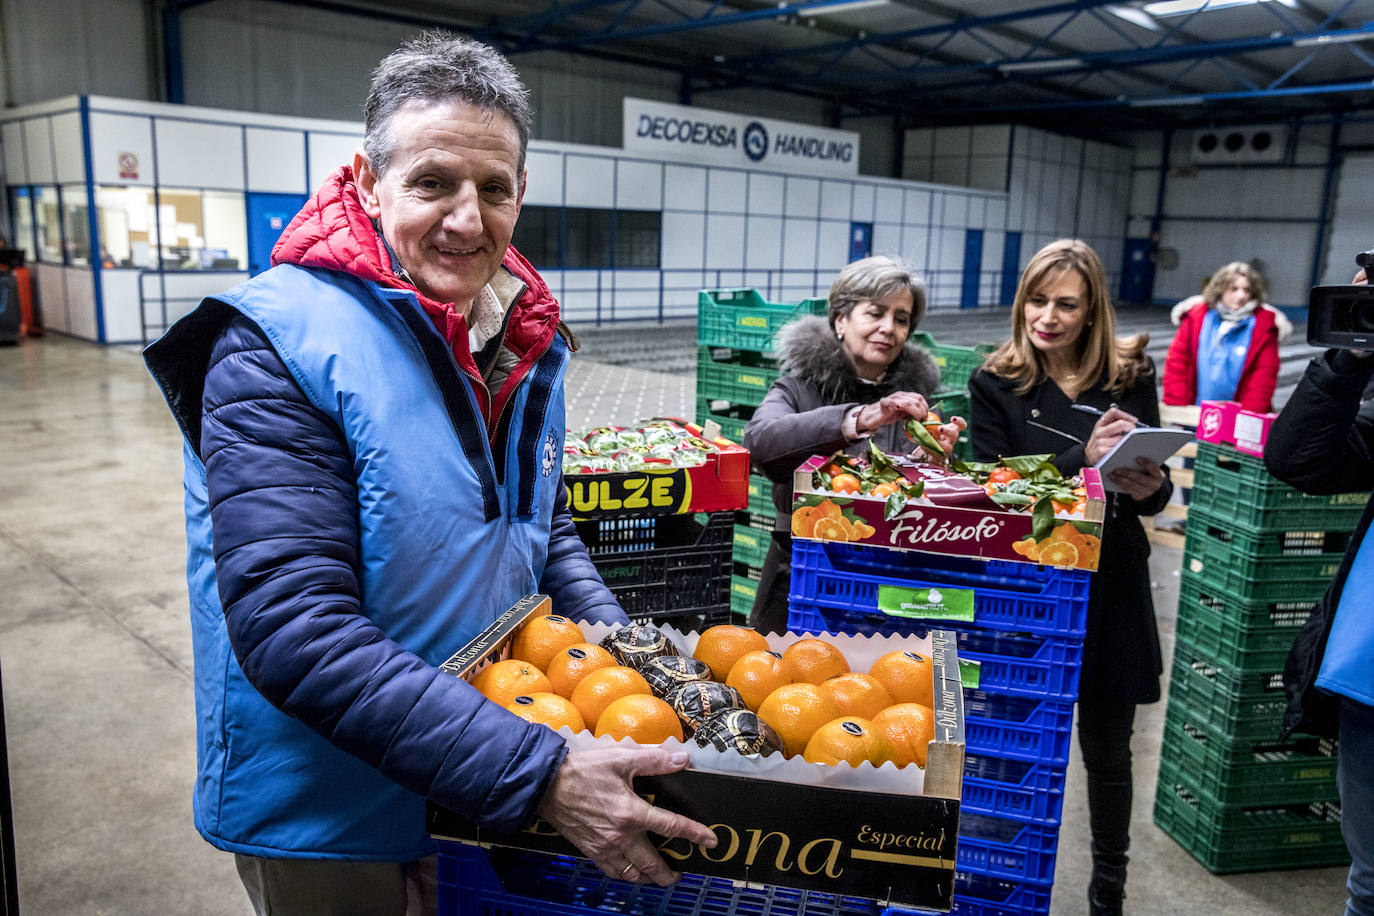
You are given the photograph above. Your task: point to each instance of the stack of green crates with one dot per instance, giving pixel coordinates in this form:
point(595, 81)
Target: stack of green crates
point(1257, 559)
point(736, 329)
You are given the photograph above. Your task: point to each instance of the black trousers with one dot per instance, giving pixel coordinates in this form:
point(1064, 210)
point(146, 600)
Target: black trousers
point(1104, 736)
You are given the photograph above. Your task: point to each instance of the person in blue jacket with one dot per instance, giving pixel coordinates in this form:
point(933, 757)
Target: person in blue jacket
point(373, 440)
point(1323, 442)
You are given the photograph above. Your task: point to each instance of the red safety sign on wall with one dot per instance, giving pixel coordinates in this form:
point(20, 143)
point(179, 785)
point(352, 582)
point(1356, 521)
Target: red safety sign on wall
point(128, 165)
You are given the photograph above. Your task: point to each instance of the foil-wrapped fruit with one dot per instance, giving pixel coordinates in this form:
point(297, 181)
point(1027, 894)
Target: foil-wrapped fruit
point(695, 701)
point(739, 730)
point(669, 671)
point(637, 645)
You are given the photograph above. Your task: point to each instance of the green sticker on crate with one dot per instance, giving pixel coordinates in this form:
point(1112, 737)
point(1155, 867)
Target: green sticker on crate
point(970, 673)
point(929, 603)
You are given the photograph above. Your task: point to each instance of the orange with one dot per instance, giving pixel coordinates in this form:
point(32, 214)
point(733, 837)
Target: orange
point(812, 661)
point(1059, 553)
point(883, 490)
point(795, 711)
point(908, 676)
point(829, 529)
point(643, 719)
point(721, 646)
point(826, 509)
point(803, 521)
point(547, 709)
point(541, 638)
point(756, 675)
point(857, 694)
point(909, 727)
point(503, 681)
point(844, 483)
point(572, 664)
point(848, 739)
point(604, 686)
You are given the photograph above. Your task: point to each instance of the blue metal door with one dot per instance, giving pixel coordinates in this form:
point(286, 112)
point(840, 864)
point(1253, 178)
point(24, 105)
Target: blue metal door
point(973, 268)
point(1137, 272)
point(1011, 264)
point(268, 215)
point(860, 240)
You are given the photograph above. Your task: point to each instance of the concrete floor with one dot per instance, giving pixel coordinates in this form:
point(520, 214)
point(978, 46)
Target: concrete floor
point(96, 655)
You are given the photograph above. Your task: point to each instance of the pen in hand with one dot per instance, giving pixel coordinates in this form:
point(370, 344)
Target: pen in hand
point(1098, 413)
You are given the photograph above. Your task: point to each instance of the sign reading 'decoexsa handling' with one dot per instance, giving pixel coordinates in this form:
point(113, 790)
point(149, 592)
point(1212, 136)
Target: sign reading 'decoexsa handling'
point(720, 138)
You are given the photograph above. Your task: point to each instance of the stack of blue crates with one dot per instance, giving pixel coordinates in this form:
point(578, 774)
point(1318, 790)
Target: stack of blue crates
point(1027, 637)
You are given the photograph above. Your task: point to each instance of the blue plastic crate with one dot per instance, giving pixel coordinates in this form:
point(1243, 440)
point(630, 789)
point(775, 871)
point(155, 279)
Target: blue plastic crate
point(1024, 665)
point(1001, 848)
point(502, 882)
point(1012, 789)
point(1017, 728)
point(1015, 597)
point(979, 895)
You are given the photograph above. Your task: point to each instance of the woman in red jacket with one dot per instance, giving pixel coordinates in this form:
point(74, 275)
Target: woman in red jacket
point(1227, 345)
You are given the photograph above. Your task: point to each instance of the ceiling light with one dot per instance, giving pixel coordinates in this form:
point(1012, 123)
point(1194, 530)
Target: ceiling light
point(842, 7)
point(1050, 63)
point(1179, 7)
point(1316, 41)
point(1165, 101)
point(1134, 17)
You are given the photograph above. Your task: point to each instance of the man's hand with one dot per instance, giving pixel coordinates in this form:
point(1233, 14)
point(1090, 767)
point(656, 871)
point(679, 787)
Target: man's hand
point(593, 805)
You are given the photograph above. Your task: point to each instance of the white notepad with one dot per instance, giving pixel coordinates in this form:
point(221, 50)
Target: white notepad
point(1142, 442)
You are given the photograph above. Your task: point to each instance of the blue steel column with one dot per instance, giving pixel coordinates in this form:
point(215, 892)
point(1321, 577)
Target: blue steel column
point(92, 221)
point(1332, 159)
point(171, 51)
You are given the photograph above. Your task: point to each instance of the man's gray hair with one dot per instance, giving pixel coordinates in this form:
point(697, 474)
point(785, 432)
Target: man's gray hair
point(438, 67)
point(873, 279)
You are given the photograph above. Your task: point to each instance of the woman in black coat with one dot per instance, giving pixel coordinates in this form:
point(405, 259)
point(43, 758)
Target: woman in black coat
point(1063, 351)
point(847, 378)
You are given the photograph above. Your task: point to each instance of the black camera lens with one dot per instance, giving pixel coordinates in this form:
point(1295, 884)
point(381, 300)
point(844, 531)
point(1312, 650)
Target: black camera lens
point(1353, 314)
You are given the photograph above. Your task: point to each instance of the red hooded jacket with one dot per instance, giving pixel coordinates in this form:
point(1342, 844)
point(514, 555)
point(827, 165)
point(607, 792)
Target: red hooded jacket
point(1258, 377)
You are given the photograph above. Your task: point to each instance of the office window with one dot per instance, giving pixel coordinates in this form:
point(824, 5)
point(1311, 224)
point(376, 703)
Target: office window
point(127, 235)
point(588, 238)
point(536, 236)
point(48, 220)
point(638, 238)
point(76, 227)
point(21, 209)
point(200, 230)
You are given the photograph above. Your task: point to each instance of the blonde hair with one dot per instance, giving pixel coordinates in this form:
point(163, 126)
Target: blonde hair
point(1098, 353)
point(1221, 281)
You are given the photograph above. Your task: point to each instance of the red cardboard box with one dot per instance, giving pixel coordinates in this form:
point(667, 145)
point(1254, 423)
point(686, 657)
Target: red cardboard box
point(1216, 421)
point(1251, 430)
point(719, 485)
point(955, 517)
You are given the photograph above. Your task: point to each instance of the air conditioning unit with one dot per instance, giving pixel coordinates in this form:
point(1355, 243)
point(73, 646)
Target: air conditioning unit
point(1231, 145)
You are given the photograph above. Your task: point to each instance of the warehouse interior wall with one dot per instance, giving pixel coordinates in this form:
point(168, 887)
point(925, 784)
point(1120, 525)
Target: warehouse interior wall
point(68, 47)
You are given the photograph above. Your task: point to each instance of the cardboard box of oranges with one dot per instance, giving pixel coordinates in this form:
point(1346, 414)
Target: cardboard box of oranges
point(940, 510)
point(822, 762)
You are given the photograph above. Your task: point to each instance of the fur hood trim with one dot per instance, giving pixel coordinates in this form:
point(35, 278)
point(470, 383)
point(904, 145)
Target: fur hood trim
point(808, 349)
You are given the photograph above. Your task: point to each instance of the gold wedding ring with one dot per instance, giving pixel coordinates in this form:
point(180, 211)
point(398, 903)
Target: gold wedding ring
point(629, 866)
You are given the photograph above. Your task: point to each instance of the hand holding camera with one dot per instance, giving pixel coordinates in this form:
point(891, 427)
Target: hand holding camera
point(1343, 316)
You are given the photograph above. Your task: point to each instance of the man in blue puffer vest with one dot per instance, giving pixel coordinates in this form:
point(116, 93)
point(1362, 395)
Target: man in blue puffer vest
point(368, 426)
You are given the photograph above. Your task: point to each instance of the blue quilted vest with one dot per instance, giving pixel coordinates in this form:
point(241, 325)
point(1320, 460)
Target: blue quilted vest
point(448, 541)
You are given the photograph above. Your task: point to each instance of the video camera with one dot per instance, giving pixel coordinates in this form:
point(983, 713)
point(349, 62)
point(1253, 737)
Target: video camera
point(1343, 316)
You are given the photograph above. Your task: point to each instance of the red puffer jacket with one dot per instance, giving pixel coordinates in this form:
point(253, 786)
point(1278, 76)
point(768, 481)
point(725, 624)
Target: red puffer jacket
point(1257, 379)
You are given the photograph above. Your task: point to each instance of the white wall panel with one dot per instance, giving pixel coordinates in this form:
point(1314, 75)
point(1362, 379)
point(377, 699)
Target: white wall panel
point(888, 208)
point(802, 197)
point(684, 235)
point(798, 244)
point(543, 179)
point(276, 161)
point(590, 181)
point(837, 199)
point(887, 239)
point(765, 194)
point(326, 152)
point(724, 237)
point(81, 303)
point(863, 203)
point(639, 185)
point(52, 291)
point(996, 215)
point(12, 138)
point(763, 241)
point(69, 150)
point(994, 240)
point(727, 190)
point(684, 187)
point(192, 154)
point(119, 289)
point(951, 250)
point(916, 211)
point(832, 252)
point(38, 150)
point(114, 136)
point(916, 246)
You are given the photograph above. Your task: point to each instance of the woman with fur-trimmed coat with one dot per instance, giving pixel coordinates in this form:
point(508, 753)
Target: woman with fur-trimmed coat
point(847, 378)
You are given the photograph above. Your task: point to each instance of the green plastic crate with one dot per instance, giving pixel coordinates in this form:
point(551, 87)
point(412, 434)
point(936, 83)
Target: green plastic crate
point(761, 495)
point(1257, 714)
point(732, 419)
point(956, 404)
point(1231, 611)
point(751, 545)
point(1227, 839)
point(742, 319)
point(1237, 487)
point(1248, 771)
point(1265, 543)
point(956, 364)
point(1228, 637)
point(1253, 578)
point(735, 379)
point(742, 594)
